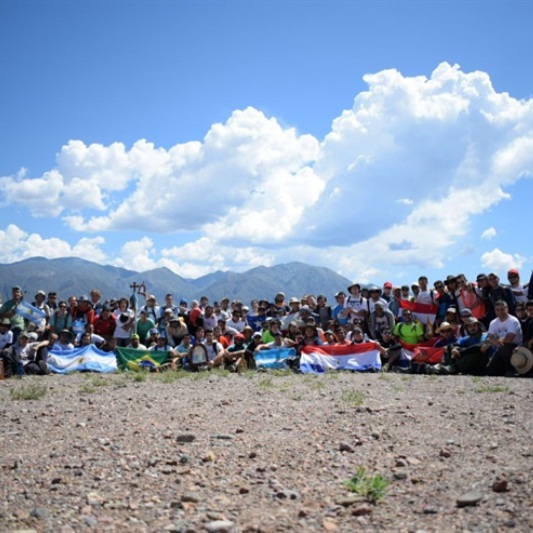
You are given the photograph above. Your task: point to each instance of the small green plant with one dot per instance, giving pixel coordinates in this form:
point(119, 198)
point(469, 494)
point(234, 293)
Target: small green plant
point(266, 383)
point(476, 379)
point(87, 388)
point(354, 397)
point(169, 376)
point(280, 372)
point(373, 488)
point(97, 381)
point(491, 388)
point(139, 377)
point(31, 391)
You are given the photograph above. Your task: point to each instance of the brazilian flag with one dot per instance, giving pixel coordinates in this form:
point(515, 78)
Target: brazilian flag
point(135, 359)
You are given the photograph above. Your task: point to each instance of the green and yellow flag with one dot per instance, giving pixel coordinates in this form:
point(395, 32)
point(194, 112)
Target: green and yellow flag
point(135, 359)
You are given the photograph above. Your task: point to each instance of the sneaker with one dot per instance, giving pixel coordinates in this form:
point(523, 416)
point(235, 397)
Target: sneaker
point(44, 368)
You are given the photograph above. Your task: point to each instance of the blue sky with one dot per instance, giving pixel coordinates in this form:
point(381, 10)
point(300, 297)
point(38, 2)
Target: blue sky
point(380, 139)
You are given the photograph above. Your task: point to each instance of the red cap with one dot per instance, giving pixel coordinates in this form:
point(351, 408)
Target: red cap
point(387, 285)
point(513, 271)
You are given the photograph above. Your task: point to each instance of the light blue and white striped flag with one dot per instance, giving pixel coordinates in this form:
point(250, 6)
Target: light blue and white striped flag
point(86, 358)
point(274, 358)
point(30, 312)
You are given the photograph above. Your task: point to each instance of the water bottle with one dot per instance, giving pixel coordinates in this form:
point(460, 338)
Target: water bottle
point(20, 369)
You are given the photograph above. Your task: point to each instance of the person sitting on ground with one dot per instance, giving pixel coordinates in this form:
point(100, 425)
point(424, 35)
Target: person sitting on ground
point(311, 337)
point(110, 346)
point(185, 345)
point(153, 335)
point(32, 353)
point(392, 350)
point(215, 352)
point(340, 333)
point(161, 345)
point(234, 356)
point(12, 356)
point(278, 342)
point(446, 336)
point(94, 339)
point(527, 327)
point(471, 353)
point(135, 343)
point(505, 334)
point(65, 341)
point(250, 350)
point(331, 339)
point(358, 336)
point(6, 335)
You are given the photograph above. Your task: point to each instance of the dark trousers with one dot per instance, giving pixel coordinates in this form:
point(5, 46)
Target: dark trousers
point(500, 363)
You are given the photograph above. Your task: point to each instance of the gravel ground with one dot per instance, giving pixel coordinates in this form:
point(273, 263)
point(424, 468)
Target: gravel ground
point(265, 452)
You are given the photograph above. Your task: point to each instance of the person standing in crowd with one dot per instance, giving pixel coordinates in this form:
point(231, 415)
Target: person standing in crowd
point(61, 319)
point(9, 310)
point(519, 290)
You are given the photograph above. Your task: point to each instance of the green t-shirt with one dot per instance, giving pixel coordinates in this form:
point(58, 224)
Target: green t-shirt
point(409, 333)
point(17, 321)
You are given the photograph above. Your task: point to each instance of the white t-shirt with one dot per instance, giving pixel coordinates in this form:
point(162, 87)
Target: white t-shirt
point(355, 304)
point(120, 332)
point(425, 297)
point(510, 325)
point(5, 339)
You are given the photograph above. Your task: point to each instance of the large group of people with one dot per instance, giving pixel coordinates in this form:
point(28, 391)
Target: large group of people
point(485, 327)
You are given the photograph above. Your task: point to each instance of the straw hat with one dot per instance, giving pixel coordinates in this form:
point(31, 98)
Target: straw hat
point(522, 360)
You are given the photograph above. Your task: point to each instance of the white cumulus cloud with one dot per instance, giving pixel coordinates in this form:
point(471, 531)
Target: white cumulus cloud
point(397, 181)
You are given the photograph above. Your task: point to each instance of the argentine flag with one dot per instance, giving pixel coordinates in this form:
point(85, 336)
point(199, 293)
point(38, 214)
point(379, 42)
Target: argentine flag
point(30, 312)
point(84, 359)
point(274, 358)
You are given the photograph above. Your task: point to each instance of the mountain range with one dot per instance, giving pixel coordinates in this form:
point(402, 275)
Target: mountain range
point(74, 276)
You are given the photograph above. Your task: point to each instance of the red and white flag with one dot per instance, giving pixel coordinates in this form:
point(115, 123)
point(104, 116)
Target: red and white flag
point(355, 357)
